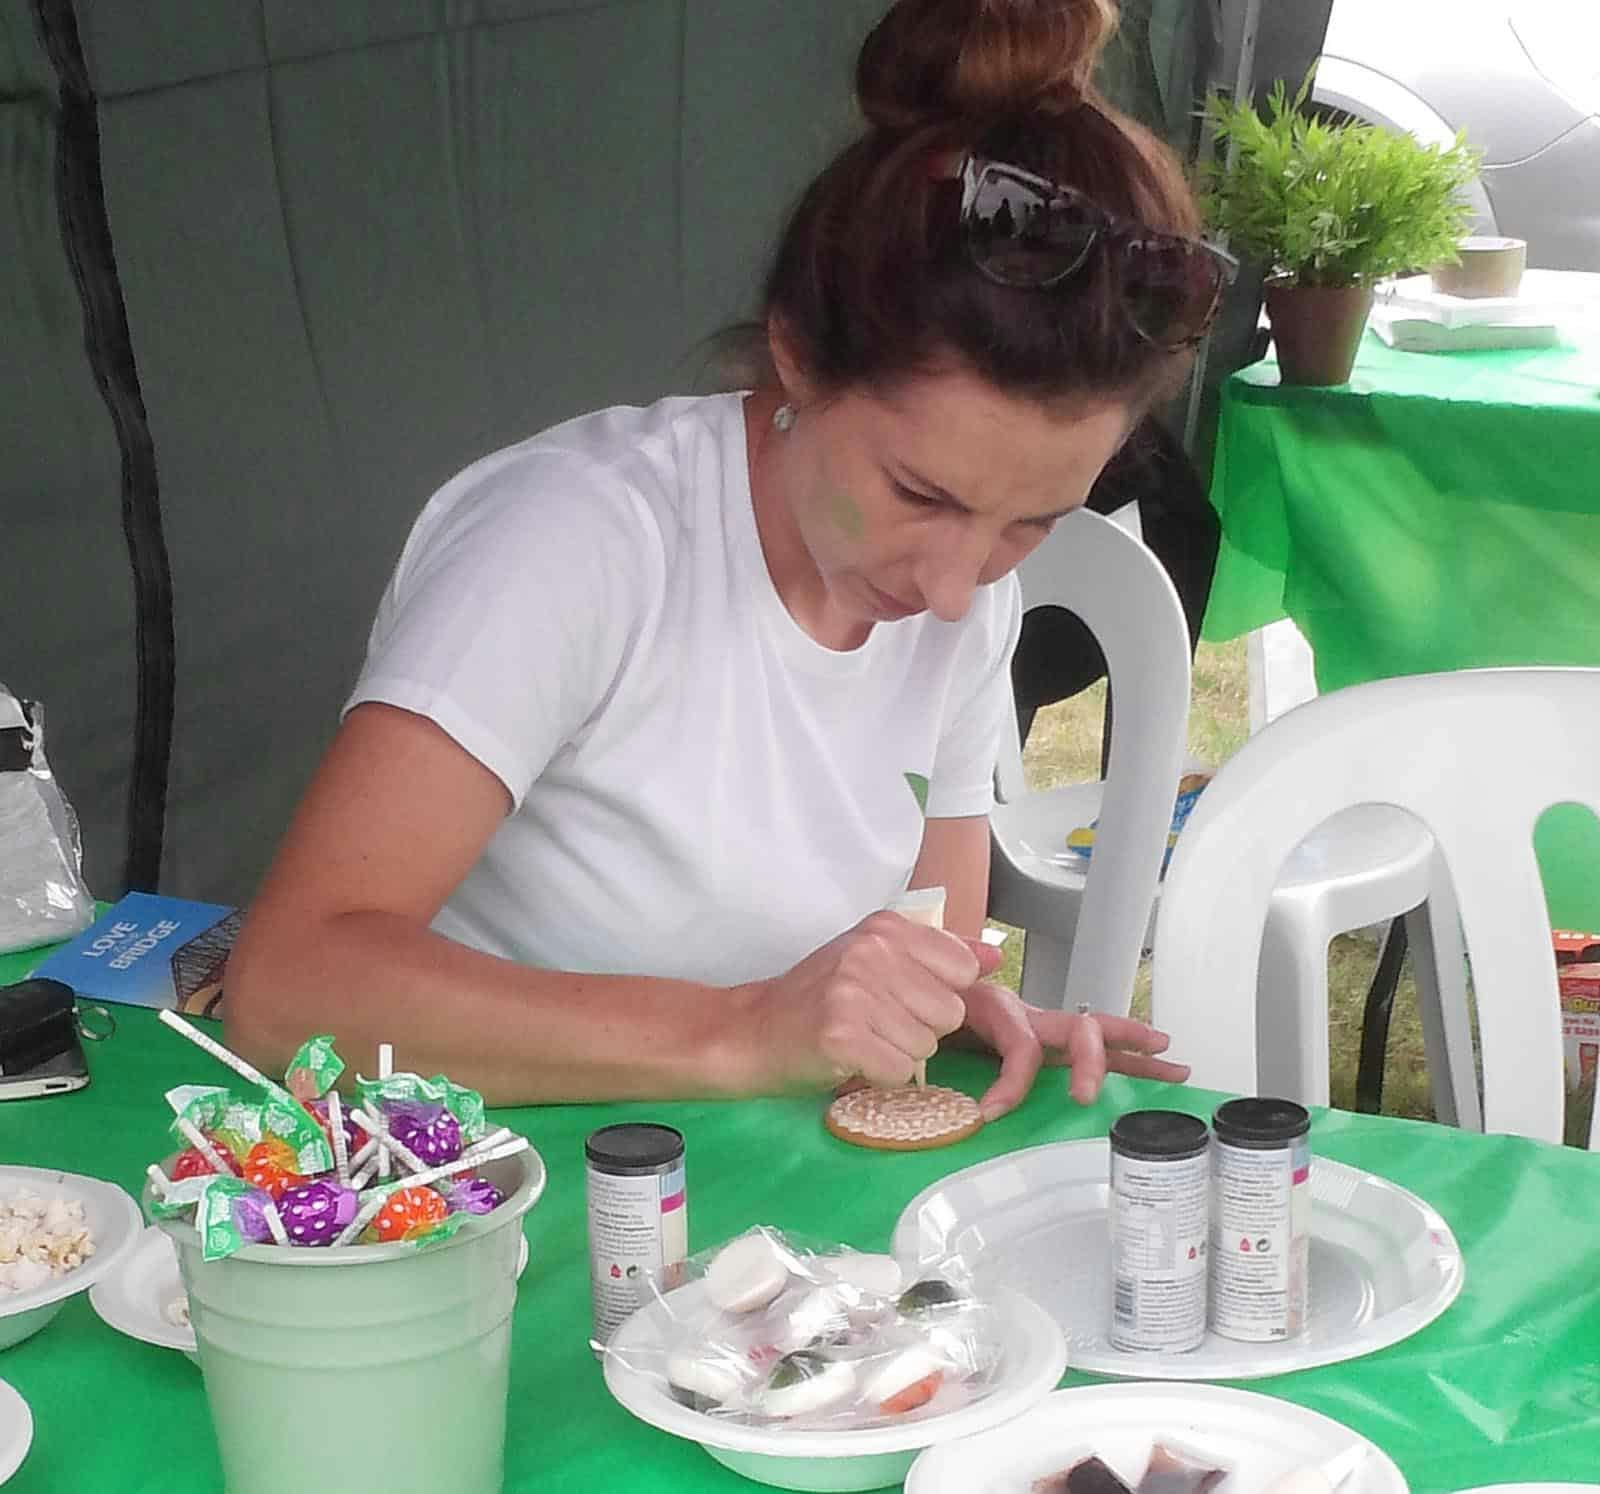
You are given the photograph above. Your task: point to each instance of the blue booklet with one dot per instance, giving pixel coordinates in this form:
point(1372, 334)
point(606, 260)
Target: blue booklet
point(151, 951)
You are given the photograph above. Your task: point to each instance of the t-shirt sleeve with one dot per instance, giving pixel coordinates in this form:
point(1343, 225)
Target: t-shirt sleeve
point(512, 610)
point(981, 708)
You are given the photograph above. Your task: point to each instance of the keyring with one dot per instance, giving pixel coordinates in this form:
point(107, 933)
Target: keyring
point(91, 1033)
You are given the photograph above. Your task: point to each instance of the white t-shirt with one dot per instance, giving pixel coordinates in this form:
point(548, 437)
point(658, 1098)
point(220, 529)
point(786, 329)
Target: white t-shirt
point(700, 789)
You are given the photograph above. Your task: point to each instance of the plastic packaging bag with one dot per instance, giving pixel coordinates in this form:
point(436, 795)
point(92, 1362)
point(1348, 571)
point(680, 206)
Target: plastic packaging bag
point(42, 893)
point(768, 1332)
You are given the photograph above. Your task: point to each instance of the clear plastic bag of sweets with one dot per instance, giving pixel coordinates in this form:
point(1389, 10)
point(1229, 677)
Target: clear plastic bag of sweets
point(767, 1331)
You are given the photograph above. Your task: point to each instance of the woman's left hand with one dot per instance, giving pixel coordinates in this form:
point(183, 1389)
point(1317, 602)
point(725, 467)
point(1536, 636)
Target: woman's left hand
point(1028, 1038)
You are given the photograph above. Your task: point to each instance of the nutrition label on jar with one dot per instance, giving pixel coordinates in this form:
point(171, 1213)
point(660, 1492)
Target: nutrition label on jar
point(1260, 1241)
point(1158, 1252)
point(637, 1226)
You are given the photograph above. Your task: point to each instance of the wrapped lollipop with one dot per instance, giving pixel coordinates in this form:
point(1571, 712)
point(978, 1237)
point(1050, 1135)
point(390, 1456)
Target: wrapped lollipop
point(465, 1106)
point(470, 1195)
point(230, 1214)
point(270, 1166)
point(283, 1165)
point(280, 1113)
point(429, 1131)
point(316, 1213)
point(314, 1069)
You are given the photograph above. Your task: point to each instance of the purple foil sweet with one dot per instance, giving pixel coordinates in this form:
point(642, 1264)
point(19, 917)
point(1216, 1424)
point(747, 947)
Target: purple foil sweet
point(470, 1195)
point(429, 1130)
point(315, 1212)
point(354, 1136)
point(249, 1216)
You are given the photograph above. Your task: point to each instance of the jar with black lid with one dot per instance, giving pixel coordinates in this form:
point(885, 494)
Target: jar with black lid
point(1261, 1219)
point(638, 1216)
point(1160, 1191)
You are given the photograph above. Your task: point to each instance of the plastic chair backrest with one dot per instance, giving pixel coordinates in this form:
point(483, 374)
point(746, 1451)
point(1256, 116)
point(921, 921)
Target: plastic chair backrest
point(1478, 756)
point(1119, 589)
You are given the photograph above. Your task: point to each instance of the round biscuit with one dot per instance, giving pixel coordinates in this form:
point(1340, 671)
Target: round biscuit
point(905, 1119)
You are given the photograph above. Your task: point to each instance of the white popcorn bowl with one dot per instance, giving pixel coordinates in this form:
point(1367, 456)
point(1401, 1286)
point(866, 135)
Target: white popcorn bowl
point(114, 1224)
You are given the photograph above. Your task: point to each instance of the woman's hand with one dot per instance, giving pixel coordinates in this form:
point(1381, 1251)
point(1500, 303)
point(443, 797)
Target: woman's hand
point(1028, 1038)
point(873, 1002)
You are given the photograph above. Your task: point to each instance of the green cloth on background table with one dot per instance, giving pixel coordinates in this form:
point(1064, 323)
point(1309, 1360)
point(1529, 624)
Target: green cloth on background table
point(1437, 512)
point(1505, 1386)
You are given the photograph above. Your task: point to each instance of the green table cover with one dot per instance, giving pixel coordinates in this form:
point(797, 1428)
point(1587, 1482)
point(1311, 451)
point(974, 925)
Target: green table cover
point(1505, 1386)
point(1437, 512)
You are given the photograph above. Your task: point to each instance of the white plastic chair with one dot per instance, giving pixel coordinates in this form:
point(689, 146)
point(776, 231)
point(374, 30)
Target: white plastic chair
point(1366, 867)
point(1124, 597)
point(1478, 755)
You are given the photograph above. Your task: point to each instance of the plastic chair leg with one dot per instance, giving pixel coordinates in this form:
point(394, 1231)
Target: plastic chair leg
point(1439, 960)
point(1044, 970)
point(1292, 1007)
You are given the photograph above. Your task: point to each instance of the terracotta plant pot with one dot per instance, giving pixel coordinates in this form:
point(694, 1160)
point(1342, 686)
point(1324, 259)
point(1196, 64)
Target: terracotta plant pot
point(1316, 329)
point(1489, 267)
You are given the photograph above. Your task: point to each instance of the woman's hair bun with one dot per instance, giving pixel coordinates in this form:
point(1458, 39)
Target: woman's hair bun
point(931, 62)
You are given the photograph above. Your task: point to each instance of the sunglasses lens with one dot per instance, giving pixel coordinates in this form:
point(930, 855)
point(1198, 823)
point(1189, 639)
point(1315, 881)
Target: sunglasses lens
point(1021, 235)
point(1171, 289)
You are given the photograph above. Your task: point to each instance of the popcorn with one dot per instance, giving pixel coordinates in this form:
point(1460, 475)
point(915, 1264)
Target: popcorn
point(40, 1238)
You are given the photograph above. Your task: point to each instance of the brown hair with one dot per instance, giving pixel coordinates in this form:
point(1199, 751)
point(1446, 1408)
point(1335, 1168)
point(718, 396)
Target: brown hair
point(870, 281)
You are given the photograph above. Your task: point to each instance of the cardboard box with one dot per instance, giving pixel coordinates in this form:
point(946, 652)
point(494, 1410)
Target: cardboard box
point(1578, 980)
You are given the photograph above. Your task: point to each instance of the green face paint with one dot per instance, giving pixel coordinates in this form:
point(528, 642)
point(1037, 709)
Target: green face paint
point(847, 515)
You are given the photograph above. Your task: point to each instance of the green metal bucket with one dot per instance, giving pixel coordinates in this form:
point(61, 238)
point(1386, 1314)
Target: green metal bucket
point(378, 1366)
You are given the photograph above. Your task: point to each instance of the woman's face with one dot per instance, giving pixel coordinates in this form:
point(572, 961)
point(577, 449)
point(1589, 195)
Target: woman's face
point(908, 501)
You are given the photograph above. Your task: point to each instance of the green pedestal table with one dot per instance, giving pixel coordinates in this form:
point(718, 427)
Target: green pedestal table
point(1505, 1386)
point(1439, 511)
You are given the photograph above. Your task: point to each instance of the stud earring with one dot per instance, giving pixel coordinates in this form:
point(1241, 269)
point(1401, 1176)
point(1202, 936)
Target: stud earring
point(784, 417)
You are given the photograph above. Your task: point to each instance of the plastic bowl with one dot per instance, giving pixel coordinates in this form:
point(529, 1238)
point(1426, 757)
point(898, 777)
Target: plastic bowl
point(114, 1222)
point(1033, 1357)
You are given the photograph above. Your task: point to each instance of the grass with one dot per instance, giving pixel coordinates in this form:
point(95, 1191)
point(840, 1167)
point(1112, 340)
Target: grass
point(1064, 747)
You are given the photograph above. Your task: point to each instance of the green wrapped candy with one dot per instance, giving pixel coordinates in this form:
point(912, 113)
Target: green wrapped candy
point(466, 1105)
point(315, 1068)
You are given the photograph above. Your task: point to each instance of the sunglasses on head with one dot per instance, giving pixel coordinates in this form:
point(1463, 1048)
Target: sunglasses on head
point(1024, 230)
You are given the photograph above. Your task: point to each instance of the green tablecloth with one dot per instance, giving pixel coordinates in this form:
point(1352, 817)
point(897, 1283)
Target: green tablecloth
point(1437, 512)
point(1505, 1386)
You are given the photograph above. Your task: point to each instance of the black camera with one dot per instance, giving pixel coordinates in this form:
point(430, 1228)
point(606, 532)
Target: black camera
point(40, 1053)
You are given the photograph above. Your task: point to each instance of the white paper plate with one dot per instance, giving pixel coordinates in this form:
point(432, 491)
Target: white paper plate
point(135, 1297)
point(1534, 1489)
point(114, 1221)
point(1257, 1437)
point(16, 1431)
point(1033, 1358)
point(1383, 1264)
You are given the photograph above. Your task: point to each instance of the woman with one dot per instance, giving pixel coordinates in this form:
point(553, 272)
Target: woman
point(663, 707)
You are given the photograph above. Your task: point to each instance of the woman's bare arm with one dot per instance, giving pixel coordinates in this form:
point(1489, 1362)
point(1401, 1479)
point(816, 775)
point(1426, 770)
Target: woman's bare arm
point(337, 940)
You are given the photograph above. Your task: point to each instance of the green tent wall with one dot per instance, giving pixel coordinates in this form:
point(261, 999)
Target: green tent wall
point(357, 243)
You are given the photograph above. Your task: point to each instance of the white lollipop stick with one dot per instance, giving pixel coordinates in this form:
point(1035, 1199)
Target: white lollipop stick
point(483, 1143)
point(158, 1180)
point(382, 1195)
point(385, 1069)
point(269, 1212)
point(365, 1153)
point(377, 1126)
point(232, 1060)
point(361, 1179)
point(341, 1153)
point(202, 1144)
